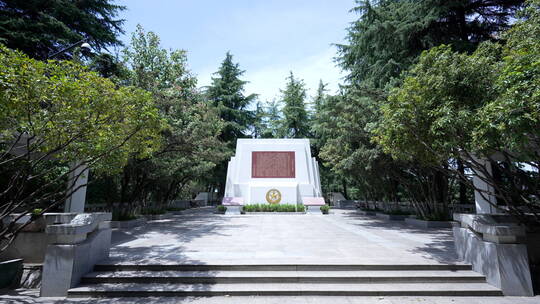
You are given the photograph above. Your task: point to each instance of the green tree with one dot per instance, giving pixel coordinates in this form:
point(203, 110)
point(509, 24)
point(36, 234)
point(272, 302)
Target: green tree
point(383, 43)
point(40, 27)
point(55, 118)
point(469, 107)
point(273, 118)
point(295, 123)
point(191, 146)
point(390, 34)
point(227, 94)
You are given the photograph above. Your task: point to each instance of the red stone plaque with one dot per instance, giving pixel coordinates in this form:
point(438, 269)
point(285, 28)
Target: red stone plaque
point(272, 164)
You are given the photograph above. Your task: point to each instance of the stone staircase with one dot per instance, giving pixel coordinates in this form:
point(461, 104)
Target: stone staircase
point(282, 280)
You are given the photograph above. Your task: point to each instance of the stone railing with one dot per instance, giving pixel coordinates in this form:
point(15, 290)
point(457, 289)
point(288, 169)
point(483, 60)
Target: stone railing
point(495, 245)
point(72, 251)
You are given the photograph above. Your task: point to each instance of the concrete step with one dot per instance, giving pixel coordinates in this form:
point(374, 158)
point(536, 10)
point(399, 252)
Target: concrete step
point(231, 276)
point(288, 289)
point(279, 267)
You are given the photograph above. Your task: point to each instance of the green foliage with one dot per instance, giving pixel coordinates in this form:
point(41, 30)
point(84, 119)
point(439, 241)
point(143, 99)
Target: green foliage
point(429, 118)
point(227, 94)
point(175, 209)
point(56, 117)
point(274, 208)
point(191, 146)
point(511, 122)
point(390, 35)
point(382, 45)
point(73, 114)
point(40, 28)
point(325, 209)
point(221, 208)
point(458, 106)
point(295, 123)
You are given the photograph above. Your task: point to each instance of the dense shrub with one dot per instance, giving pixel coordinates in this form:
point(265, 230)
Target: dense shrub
point(274, 208)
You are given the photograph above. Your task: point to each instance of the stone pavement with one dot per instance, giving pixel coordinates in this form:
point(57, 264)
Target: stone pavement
point(342, 237)
point(30, 296)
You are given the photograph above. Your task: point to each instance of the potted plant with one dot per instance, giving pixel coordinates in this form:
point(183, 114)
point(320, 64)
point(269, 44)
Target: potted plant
point(325, 209)
point(221, 209)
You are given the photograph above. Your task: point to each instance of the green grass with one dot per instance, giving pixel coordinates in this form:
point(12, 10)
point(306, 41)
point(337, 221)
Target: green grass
point(274, 208)
point(175, 209)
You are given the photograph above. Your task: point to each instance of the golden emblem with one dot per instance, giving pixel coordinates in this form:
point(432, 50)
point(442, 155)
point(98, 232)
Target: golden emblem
point(273, 196)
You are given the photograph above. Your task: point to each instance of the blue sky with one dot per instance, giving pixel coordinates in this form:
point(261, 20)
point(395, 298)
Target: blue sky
point(268, 38)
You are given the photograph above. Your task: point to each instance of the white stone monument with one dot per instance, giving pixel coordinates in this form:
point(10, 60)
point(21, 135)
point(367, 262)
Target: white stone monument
point(273, 171)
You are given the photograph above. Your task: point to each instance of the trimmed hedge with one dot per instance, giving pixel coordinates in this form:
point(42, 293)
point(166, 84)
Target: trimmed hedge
point(274, 208)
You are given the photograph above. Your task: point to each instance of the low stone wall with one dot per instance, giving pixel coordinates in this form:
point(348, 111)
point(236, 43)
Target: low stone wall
point(346, 204)
point(428, 224)
point(494, 245)
point(368, 213)
point(128, 224)
point(156, 217)
point(74, 250)
point(392, 217)
point(31, 243)
point(274, 213)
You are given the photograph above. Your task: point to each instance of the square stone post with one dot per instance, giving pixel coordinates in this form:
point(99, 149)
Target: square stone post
point(484, 197)
point(77, 178)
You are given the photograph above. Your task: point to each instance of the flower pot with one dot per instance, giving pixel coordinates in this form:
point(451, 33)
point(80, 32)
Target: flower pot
point(10, 273)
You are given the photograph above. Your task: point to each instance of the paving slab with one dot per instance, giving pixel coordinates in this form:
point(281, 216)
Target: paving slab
point(343, 237)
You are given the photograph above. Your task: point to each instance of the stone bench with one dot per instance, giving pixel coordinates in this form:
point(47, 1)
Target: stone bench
point(234, 204)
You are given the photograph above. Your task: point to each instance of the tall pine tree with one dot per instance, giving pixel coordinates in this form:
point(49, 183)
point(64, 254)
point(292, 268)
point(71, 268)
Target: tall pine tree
point(226, 93)
point(390, 34)
point(295, 122)
point(42, 27)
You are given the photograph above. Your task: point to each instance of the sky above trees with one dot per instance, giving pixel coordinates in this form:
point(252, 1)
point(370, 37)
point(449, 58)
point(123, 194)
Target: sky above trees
point(267, 38)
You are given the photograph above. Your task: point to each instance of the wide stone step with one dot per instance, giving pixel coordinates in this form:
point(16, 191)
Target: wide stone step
point(279, 267)
point(363, 276)
point(287, 289)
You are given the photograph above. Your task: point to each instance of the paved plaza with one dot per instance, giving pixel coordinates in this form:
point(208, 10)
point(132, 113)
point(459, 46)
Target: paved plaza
point(343, 237)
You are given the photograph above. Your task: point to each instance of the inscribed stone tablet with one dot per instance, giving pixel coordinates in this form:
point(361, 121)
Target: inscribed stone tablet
point(272, 164)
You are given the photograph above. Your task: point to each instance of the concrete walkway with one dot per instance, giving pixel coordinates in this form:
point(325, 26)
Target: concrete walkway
point(343, 237)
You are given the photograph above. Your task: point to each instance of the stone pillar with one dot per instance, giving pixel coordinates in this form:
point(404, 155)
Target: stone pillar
point(484, 198)
point(79, 176)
